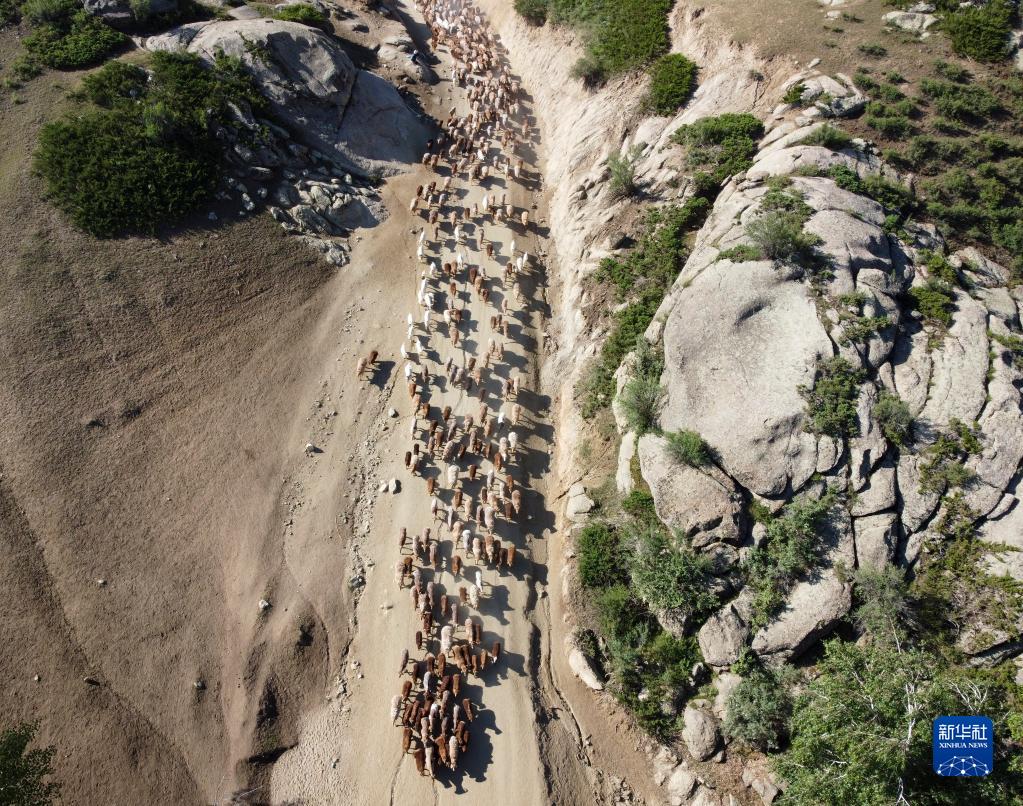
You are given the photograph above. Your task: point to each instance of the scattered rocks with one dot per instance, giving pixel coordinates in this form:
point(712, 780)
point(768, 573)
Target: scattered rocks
point(913, 21)
point(579, 504)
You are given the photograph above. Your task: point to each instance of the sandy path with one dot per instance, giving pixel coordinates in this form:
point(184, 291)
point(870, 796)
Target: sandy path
point(348, 751)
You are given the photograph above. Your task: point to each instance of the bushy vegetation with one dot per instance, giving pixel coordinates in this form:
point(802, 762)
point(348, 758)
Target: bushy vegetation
point(67, 37)
point(672, 81)
point(533, 11)
point(642, 277)
point(620, 35)
point(25, 775)
point(830, 137)
point(779, 236)
point(641, 400)
point(741, 253)
point(981, 32)
point(935, 301)
point(303, 13)
point(146, 153)
point(896, 199)
point(10, 12)
point(794, 94)
point(719, 147)
point(669, 575)
point(965, 103)
point(759, 708)
point(831, 401)
point(792, 546)
point(894, 418)
point(873, 49)
point(650, 669)
point(688, 448)
point(623, 172)
point(601, 556)
point(943, 466)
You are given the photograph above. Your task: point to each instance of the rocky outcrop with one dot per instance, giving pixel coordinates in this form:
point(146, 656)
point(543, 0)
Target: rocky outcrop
point(738, 344)
point(700, 732)
point(701, 505)
point(119, 13)
point(354, 117)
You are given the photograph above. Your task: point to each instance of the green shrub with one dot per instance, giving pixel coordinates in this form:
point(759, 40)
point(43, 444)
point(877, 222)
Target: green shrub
point(672, 80)
point(669, 576)
point(864, 82)
point(618, 612)
point(791, 547)
point(794, 94)
point(623, 172)
point(688, 448)
point(828, 136)
point(831, 401)
point(895, 198)
point(873, 49)
point(301, 13)
point(894, 417)
point(533, 11)
point(953, 72)
point(24, 772)
point(10, 13)
point(600, 556)
point(720, 146)
point(25, 68)
point(74, 42)
point(935, 301)
point(742, 253)
point(640, 401)
point(961, 102)
point(640, 505)
point(894, 127)
point(779, 236)
point(943, 467)
point(758, 711)
point(38, 12)
point(115, 83)
point(137, 163)
point(983, 32)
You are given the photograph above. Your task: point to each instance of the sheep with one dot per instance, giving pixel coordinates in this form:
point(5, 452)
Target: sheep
point(468, 630)
point(420, 757)
point(479, 580)
point(399, 574)
point(474, 597)
point(511, 557)
point(395, 707)
point(404, 662)
point(456, 565)
point(516, 501)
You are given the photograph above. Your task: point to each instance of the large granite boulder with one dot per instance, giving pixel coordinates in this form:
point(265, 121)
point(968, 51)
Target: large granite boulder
point(700, 732)
point(703, 507)
point(351, 116)
point(737, 345)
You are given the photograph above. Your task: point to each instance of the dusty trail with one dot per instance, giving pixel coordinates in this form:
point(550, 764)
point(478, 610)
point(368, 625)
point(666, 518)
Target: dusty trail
point(524, 743)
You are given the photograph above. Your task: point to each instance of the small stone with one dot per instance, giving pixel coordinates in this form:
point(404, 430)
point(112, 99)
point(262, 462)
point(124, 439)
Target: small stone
point(264, 605)
point(212, 217)
point(36, 678)
point(392, 412)
point(199, 685)
point(101, 582)
point(393, 486)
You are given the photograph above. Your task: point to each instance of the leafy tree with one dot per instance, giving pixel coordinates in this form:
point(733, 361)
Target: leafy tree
point(23, 772)
point(883, 601)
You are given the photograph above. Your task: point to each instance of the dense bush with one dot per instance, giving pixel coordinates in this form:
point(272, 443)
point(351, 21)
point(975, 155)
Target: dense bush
point(942, 467)
point(960, 102)
point(779, 236)
point(981, 32)
point(719, 147)
point(829, 137)
point(741, 253)
point(67, 37)
point(620, 35)
point(147, 154)
point(794, 94)
point(672, 80)
point(640, 505)
point(10, 12)
point(894, 417)
point(831, 401)
point(896, 199)
point(670, 576)
point(792, 545)
point(533, 11)
point(24, 772)
point(873, 49)
point(688, 448)
point(640, 401)
point(601, 558)
point(302, 13)
point(935, 301)
point(116, 83)
point(758, 710)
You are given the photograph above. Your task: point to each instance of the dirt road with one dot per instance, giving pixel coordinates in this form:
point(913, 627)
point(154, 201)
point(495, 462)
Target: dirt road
point(349, 751)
